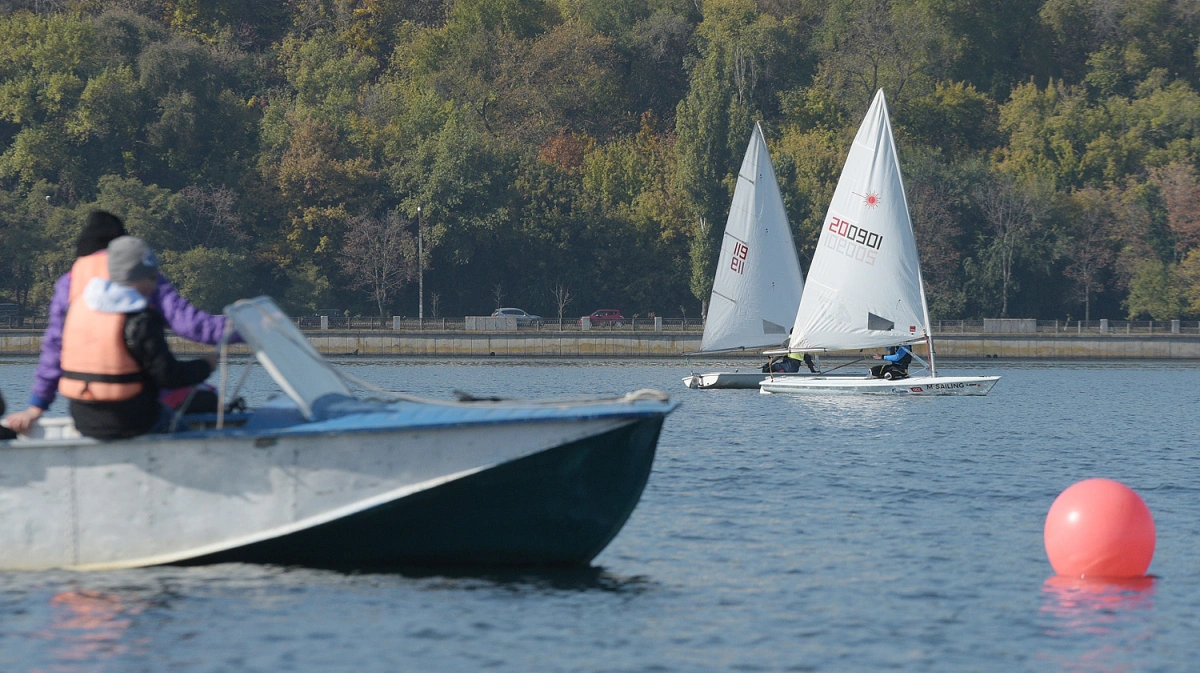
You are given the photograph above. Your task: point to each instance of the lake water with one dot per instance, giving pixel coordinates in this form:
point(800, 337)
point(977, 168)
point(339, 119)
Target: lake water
point(776, 534)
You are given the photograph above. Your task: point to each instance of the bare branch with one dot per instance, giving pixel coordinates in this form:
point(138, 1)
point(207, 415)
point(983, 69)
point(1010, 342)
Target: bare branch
point(379, 256)
point(562, 298)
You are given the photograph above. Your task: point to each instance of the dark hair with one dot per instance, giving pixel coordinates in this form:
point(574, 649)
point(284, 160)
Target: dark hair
point(101, 227)
point(2, 405)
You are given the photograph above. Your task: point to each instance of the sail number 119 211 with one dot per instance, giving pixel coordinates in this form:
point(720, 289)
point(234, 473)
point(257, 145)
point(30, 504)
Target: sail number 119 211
point(739, 257)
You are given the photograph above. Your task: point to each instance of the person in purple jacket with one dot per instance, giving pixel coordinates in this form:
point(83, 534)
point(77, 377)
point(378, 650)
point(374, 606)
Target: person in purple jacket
point(184, 319)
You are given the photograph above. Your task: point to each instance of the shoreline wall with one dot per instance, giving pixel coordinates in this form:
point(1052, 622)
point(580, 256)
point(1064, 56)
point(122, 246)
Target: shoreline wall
point(1061, 346)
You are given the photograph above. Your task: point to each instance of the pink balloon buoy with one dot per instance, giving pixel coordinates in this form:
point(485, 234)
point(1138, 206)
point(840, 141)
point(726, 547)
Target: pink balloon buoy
point(1100, 528)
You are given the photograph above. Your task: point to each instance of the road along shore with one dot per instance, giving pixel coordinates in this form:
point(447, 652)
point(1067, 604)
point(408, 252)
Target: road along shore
point(1062, 346)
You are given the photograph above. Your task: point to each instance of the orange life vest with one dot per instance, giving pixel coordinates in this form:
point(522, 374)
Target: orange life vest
point(96, 364)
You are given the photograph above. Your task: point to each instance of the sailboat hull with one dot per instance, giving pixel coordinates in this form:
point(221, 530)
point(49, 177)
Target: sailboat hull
point(849, 385)
point(734, 380)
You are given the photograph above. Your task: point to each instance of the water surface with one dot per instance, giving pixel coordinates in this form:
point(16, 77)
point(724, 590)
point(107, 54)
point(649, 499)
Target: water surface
point(776, 534)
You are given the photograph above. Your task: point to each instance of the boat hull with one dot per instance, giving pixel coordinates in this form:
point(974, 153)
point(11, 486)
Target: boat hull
point(734, 380)
point(851, 385)
point(504, 487)
point(560, 506)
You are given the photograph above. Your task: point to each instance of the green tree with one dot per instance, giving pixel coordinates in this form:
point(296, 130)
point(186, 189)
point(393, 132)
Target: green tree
point(738, 51)
point(211, 278)
point(1155, 291)
point(868, 45)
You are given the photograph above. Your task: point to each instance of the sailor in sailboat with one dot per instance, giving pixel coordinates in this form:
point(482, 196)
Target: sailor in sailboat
point(790, 364)
point(898, 359)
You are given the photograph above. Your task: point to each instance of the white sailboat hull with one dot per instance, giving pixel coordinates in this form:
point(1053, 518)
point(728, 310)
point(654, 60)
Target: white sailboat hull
point(734, 380)
point(854, 385)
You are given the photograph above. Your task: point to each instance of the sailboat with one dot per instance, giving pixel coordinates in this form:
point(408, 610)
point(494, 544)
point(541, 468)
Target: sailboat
point(758, 284)
point(864, 286)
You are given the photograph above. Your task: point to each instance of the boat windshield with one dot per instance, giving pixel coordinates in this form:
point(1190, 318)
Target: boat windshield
point(285, 353)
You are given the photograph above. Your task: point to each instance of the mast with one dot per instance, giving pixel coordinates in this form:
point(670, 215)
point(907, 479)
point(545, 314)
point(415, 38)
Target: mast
point(932, 363)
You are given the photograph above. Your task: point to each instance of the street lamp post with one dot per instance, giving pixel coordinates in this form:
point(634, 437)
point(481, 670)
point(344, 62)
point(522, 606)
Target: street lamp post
point(420, 272)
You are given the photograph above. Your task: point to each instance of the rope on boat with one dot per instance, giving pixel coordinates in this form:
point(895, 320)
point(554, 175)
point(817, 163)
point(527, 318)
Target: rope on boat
point(466, 399)
point(645, 394)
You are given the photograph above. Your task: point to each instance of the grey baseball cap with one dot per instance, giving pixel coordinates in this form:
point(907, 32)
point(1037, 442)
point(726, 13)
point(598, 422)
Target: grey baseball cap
point(130, 260)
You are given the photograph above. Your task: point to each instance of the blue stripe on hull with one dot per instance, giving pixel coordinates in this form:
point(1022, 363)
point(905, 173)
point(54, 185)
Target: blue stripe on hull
point(561, 506)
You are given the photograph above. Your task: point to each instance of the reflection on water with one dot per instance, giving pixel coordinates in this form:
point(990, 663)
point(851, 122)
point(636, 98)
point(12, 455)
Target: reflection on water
point(88, 628)
point(1090, 605)
point(532, 579)
point(1097, 609)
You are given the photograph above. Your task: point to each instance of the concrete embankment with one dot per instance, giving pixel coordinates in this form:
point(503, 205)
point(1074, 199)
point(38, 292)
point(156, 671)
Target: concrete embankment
point(1070, 346)
point(666, 344)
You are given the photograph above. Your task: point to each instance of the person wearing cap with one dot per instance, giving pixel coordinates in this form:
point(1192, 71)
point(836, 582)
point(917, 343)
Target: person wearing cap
point(183, 318)
point(115, 357)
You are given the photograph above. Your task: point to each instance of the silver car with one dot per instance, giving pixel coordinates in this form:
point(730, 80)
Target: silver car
point(523, 319)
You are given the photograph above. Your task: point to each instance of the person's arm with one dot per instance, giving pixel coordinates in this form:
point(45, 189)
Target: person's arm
point(49, 369)
point(898, 355)
point(147, 342)
point(186, 320)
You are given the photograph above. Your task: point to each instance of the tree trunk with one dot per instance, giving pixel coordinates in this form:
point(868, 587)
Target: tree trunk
point(1004, 294)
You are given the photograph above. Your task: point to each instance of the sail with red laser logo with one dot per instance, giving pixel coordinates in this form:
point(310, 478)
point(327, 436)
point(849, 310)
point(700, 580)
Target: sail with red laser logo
point(864, 285)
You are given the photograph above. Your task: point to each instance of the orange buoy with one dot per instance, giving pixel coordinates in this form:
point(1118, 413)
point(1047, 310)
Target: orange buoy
point(1100, 528)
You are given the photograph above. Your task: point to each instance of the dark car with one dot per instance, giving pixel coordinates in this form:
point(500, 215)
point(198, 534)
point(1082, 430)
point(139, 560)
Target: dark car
point(523, 319)
point(605, 316)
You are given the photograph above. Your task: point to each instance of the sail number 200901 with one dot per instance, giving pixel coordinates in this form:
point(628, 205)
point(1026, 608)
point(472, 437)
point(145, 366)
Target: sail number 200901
point(852, 240)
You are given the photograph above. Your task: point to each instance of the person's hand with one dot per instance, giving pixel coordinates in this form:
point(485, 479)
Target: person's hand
point(21, 421)
point(877, 356)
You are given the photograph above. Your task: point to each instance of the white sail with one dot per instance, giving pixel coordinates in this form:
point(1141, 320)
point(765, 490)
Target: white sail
point(864, 286)
point(758, 284)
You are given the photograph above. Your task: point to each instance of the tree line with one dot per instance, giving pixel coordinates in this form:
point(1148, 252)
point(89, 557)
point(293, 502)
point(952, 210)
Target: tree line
point(589, 148)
